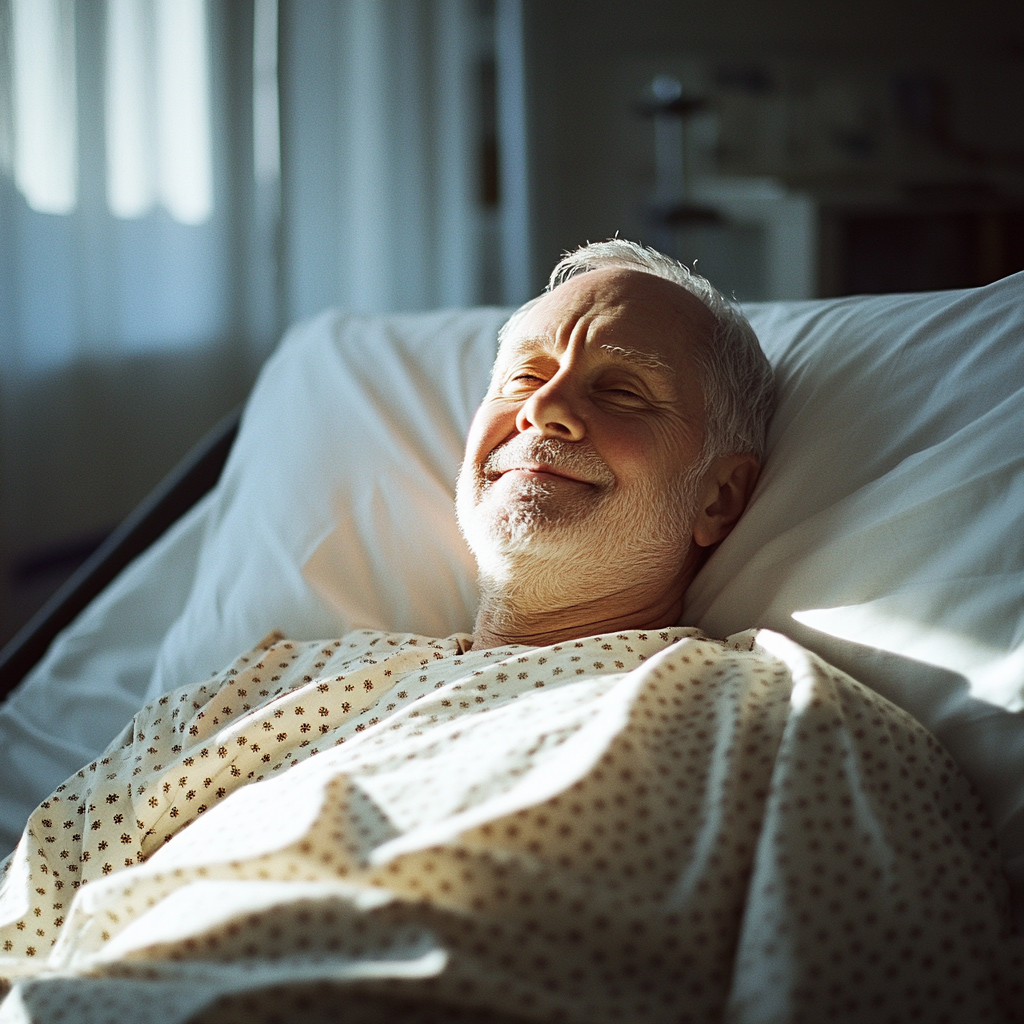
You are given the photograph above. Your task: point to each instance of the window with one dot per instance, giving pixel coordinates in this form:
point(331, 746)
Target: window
point(158, 109)
point(43, 121)
point(156, 106)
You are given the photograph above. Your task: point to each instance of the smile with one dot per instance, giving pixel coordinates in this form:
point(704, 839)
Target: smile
point(545, 460)
point(541, 472)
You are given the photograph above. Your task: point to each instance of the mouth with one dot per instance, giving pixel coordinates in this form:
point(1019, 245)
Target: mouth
point(546, 461)
point(540, 471)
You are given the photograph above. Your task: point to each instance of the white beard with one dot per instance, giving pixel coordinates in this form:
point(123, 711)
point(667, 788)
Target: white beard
point(541, 548)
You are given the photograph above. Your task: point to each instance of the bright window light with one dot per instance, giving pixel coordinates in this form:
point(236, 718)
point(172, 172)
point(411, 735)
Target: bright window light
point(45, 104)
point(158, 109)
point(183, 110)
point(131, 142)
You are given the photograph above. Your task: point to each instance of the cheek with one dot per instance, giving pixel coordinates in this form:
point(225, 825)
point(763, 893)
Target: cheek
point(628, 447)
point(490, 426)
point(639, 452)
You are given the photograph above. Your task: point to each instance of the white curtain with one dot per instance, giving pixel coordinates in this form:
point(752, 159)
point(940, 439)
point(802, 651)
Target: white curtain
point(118, 208)
point(156, 233)
point(378, 117)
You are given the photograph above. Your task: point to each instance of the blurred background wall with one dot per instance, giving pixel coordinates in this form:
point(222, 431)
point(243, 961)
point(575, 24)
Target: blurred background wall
point(832, 147)
point(182, 179)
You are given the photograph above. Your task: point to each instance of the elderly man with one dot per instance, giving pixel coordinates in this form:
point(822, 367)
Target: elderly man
point(581, 812)
point(619, 440)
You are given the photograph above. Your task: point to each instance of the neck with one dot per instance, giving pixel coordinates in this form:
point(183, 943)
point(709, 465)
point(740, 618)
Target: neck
point(533, 612)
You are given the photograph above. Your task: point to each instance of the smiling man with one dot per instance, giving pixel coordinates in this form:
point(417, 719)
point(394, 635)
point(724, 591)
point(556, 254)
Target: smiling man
point(584, 812)
point(618, 443)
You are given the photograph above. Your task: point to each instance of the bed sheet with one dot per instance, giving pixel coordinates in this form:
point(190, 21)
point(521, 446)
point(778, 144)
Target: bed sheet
point(95, 675)
point(887, 531)
point(638, 826)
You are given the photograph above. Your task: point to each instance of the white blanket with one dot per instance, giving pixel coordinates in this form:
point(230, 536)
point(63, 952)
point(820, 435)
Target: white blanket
point(640, 826)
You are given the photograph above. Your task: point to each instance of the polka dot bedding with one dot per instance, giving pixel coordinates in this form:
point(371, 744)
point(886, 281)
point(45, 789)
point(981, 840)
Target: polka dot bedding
point(642, 826)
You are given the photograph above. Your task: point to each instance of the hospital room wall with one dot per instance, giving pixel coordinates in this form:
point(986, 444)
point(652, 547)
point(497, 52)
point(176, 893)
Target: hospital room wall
point(917, 117)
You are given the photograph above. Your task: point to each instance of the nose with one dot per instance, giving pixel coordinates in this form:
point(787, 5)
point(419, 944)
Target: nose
point(552, 411)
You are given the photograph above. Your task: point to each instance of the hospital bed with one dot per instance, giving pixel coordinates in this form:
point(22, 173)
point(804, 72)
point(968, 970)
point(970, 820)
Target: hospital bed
point(886, 532)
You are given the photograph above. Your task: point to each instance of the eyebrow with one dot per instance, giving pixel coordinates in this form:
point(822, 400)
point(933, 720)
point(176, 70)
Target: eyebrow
point(666, 376)
point(645, 359)
point(523, 346)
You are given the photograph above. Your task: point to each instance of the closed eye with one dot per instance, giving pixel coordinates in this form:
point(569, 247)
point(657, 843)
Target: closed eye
point(623, 396)
point(521, 381)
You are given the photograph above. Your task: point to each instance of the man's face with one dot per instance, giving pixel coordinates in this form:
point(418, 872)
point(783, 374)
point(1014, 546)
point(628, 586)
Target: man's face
point(589, 435)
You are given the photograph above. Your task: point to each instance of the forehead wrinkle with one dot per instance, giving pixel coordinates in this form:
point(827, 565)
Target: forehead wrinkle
point(517, 345)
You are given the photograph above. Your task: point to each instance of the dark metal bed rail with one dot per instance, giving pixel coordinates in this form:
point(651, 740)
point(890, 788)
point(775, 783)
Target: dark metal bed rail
point(193, 477)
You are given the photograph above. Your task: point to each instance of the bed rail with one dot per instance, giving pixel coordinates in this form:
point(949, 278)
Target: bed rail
point(193, 477)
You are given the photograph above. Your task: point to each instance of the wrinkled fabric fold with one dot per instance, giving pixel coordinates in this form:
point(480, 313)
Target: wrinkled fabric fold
point(644, 826)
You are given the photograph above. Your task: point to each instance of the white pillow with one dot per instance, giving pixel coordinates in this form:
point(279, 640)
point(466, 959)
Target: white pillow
point(886, 531)
point(334, 511)
point(894, 483)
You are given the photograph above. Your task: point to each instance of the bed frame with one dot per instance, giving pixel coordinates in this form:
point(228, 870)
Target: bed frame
point(193, 477)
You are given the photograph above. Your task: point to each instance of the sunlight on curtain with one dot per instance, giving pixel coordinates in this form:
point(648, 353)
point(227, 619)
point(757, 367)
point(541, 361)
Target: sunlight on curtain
point(183, 107)
point(135, 318)
point(158, 109)
point(109, 117)
point(44, 104)
point(266, 117)
point(380, 183)
point(131, 188)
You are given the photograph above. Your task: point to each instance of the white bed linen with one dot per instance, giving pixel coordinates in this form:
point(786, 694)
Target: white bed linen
point(95, 675)
point(889, 514)
point(335, 510)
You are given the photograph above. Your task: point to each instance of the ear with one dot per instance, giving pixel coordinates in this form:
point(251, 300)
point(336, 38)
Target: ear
point(725, 491)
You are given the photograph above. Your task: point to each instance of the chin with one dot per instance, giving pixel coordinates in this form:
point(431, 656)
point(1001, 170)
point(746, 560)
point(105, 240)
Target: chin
point(530, 538)
point(501, 534)
point(527, 518)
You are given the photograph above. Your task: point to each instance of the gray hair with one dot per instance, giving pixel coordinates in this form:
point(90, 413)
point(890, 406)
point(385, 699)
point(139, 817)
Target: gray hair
point(736, 377)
